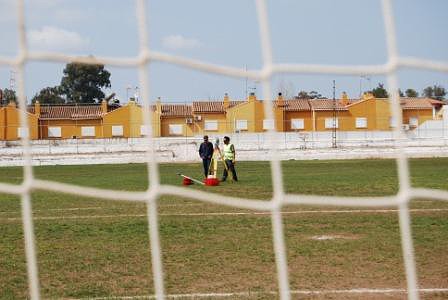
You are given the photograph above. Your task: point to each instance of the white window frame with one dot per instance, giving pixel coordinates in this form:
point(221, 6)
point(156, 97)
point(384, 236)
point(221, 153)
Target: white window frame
point(88, 131)
point(392, 122)
point(117, 130)
point(361, 122)
point(144, 130)
point(329, 123)
point(211, 125)
point(241, 124)
point(413, 121)
point(22, 132)
point(268, 124)
point(297, 124)
point(175, 129)
point(54, 132)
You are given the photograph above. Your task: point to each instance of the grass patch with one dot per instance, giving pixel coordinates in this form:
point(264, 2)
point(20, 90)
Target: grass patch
point(96, 248)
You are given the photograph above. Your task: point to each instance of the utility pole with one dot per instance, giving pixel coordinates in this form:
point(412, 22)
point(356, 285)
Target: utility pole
point(334, 145)
point(245, 69)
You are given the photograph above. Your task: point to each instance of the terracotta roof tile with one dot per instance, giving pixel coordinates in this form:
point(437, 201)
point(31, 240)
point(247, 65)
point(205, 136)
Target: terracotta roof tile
point(295, 104)
point(436, 102)
point(174, 110)
point(415, 103)
point(70, 112)
point(327, 104)
point(212, 106)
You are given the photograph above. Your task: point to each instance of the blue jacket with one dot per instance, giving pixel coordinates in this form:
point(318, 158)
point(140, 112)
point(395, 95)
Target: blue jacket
point(206, 150)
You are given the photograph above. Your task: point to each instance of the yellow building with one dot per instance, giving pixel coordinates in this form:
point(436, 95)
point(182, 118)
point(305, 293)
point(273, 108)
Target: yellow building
point(127, 121)
point(214, 117)
point(92, 121)
point(211, 116)
point(10, 128)
point(175, 120)
point(294, 115)
point(236, 115)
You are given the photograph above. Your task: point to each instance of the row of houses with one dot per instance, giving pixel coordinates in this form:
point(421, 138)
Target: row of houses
point(213, 117)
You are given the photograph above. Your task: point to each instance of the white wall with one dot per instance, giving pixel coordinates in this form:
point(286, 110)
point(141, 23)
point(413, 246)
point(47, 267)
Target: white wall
point(427, 140)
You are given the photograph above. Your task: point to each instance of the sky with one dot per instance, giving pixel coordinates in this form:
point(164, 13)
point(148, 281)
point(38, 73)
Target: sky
point(348, 32)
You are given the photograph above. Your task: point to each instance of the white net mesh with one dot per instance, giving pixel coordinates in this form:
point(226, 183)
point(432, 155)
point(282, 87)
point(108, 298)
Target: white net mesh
point(146, 56)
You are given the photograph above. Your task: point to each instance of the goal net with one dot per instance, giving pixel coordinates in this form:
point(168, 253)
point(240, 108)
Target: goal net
point(279, 199)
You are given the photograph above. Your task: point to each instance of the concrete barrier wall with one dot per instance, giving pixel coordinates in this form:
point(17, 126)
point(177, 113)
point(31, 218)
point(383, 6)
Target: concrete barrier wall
point(249, 146)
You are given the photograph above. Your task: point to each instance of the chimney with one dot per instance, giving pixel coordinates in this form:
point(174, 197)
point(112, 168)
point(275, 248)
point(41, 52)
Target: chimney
point(344, 99)
point(158, 106)
point(226, 102)
point(252, 97)
point(104, 107)
point(37, 109)
point(367, 96)
point(131, 102)
point(280, 100)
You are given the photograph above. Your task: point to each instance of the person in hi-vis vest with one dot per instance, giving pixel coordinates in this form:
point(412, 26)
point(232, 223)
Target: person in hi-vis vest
point(229, 158)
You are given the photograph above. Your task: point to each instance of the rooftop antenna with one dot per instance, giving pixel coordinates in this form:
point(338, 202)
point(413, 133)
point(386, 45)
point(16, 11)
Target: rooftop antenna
point(12, 80)
point(253, 88)
point(128, 88)
point(366, 77)
point(136, 94)
point(12, 86)
point(333, 137)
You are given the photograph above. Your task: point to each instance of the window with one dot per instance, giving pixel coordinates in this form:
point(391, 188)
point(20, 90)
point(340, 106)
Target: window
point(241, 124)
point(117, 130)
point(54, 132)
point(22, 132)
point(144, 130)
point(413, 121)
point(88, 131)
point(211, 125)
point(361, 122)
point(268, 124)
point(392, 122)
point(331, 123)
point(175, 129)
point(297, 124)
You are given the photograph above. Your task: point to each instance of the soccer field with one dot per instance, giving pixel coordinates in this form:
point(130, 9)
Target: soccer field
point(90, 248)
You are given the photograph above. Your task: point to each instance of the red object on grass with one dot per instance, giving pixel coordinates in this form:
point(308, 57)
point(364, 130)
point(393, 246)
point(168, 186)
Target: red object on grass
point(187, 181)
point(211, 181)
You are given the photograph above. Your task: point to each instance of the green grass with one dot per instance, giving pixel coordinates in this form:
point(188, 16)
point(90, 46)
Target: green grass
point(82, 256)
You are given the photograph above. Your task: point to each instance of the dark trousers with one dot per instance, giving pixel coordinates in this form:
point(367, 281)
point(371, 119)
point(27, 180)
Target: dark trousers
point(206, 164)
point(231, 168)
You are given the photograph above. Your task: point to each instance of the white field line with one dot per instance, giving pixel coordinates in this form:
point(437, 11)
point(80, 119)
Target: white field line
point(294, 292)
point(97, 208)
point(232, 214)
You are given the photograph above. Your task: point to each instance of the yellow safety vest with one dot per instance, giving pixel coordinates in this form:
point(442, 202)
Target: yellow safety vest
point(229, 152)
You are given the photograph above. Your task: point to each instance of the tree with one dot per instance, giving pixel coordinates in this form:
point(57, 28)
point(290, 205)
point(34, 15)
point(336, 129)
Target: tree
point(302, 95)
point(400, 92)
point(380, 91)
point(310, 95)
point(436, 92)
point(428, 92)
point(9, 96)
point(411, 93)
point(49, 95)
point(82, 83)
point(315, 95)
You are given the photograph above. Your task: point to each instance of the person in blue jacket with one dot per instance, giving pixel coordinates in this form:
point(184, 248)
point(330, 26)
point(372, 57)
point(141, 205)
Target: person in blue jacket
point(206, 153)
